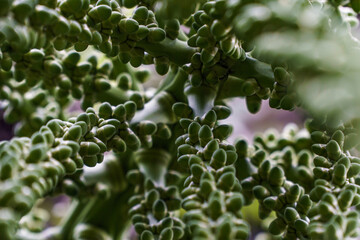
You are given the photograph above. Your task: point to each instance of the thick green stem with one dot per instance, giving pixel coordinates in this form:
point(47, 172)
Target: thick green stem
point(231, 88)
point(114, 96)
point(176, 51)
point(201, 99)
point(153, 163)
point(158, 110)
point(75, 216)
point(252, 68)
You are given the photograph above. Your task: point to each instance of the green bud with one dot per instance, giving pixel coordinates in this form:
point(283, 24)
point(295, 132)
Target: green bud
point(345, 199)
point(90, 161)
point(333, 150)
point(301, 225)
point(106, 132)
point(55, 126)
point(37, 154)
point(193, 130)
point(120, 113)
point(62, 26)
point(165, 223)
point(339, 175)
point(226, 181)
point(277, 226)
point(218, 159)
point(100, 13)
point(323, 173)
point(161, 65)
point(333, 231)
point(218, 29)
point(276, 176)
point(129, 25)
point(117, 144)
point(258, 157)
point(322, 162)
point(147, 128)
point(206, 187)
point(231, 157)
point(224, 230)
point(89, 148)
point(344, 161)
point(260, 192)
point(207, 55)
point(159, 209)
point(215, 208)
point(319, 137)
point(222, 112)
point(293, 194)
point(339, 137)
point(291, 215)
point(96, 38)
point(282, 76)
point(156, 35)
point(166, 234)
point(141, 15)
point(222, 132)
point(124, 81)
point(146, 235)
point(270, 202)
point(130, 109)
point(253, 103)
point(69, 165)
point(205, 135)
point(196, 171)
point(209, 118)
point(61, 152)
point(141, 227)
point(354, 170)
point(250, 87)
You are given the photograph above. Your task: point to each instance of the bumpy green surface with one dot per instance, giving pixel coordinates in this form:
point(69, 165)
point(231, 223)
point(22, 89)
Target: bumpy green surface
point(158, 161)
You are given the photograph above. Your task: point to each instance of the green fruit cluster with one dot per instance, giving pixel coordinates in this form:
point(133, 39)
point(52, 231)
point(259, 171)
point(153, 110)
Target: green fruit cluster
point(216, 43)
point(32, 167)
point(279, 176)
point(212, 195)
point(152, 209)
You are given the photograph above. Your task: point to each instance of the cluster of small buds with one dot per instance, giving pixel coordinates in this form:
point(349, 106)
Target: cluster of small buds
point(216, 43)
point(152, 209)
point(282, 96)
point(30, 110)
point(277, 172)
point(212, 194)
point(80, 79)
point(57, 26)
point(336, 189)
point(32, 167)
